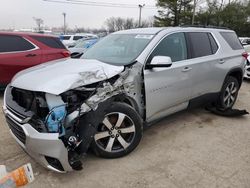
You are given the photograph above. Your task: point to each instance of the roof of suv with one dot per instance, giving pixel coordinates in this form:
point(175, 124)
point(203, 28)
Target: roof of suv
point(25, 34)
point(155, 30)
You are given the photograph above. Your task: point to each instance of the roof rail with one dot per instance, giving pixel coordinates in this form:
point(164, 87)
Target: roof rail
point(205, 26)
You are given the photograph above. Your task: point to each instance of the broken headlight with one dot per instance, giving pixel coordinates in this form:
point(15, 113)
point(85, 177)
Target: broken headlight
point(75, 98)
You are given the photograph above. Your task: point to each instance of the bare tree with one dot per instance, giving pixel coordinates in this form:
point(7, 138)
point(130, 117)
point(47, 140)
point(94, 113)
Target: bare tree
point(111, 24)
point(129, 23)
point(39, 23)
point(116, 24)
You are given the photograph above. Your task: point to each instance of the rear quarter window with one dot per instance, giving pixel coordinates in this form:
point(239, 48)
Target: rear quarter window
point(52, 42)
point(10, 43)
point(232, 40)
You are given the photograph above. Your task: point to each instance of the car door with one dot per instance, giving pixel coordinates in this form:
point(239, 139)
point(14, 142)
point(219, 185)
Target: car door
point(202, 62)
point(16, 54)
point(168, 89)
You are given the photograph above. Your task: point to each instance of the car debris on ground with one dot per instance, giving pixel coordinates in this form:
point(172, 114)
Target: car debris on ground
point(17, 178)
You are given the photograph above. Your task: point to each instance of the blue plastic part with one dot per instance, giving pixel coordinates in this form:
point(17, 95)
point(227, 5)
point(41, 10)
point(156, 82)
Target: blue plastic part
point(55, 118)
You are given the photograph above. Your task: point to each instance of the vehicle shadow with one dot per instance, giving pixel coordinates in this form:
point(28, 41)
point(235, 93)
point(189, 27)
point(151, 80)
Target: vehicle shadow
point(1, 93)
point(246, 80)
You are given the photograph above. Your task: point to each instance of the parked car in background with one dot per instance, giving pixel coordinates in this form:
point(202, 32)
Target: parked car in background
point(81, 47)
point(127, 81)
point(247, 67)
point(70, 40)
point(244, 40)
point(19, 51)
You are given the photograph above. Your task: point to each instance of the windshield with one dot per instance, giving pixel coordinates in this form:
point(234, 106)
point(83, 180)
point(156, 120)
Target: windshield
point(85, 43)
point(118, 49)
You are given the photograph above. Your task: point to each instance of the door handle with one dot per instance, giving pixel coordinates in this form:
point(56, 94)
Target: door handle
point(221, 61)
point(186, 69)
point(30, 55)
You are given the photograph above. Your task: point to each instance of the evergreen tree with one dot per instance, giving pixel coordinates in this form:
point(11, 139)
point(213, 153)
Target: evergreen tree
point(174, 12)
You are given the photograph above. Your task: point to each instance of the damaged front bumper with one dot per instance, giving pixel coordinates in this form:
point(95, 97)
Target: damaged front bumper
point(45, 148)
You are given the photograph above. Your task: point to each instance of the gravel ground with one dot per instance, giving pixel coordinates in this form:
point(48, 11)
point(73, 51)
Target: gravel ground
point(190, 149)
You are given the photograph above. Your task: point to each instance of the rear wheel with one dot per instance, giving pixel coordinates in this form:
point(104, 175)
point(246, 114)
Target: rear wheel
point(119, 133)
point(229, 93)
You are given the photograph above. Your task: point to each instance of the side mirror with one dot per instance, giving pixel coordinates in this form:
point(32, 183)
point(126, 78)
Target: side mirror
point(160, 62)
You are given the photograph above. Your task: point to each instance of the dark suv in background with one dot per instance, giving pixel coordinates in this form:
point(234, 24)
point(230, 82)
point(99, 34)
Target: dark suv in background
point(19, 51)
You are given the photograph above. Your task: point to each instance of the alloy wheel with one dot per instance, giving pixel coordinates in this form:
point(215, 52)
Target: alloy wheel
point(230, 95)
point(115, 133)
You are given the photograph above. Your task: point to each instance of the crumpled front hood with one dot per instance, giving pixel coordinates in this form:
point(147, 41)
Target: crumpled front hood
point(59, 76)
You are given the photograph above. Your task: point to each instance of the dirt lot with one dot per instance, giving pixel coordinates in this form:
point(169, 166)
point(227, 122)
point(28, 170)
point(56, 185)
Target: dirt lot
point(191, 149)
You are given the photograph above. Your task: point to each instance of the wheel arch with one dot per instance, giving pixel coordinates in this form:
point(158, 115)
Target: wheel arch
point(236, 73)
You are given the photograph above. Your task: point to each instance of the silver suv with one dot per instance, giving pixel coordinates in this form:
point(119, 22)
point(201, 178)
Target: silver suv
point(58, 110)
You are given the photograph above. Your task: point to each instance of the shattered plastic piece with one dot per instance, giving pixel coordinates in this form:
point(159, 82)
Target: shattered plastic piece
point(16, 178)
point(227, 113)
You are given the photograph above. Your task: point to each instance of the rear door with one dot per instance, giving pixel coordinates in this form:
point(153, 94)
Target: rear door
point(168, 89)
point(202, 47)
point(16, 53)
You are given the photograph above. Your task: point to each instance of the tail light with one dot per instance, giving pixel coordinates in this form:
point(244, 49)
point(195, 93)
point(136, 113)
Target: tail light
point(245, 55)
point(66, 53)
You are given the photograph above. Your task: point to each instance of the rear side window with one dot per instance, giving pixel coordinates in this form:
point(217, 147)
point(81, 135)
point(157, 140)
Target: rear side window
point(77, 37)
point(214, 45)
point(200, 44)
point(232, 40)
point(9, 43)
point(50, 41)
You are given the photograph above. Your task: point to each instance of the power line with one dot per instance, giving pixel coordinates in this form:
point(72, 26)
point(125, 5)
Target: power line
point(99, 4)
point(108, 3)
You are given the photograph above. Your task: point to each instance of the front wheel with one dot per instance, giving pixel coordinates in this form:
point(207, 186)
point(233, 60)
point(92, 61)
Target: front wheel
point(229, 93)
point(119, 133)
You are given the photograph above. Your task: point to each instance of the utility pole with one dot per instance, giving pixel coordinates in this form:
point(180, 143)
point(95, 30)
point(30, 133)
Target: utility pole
point(64, 23)
point(193, 16)
point(140, 7)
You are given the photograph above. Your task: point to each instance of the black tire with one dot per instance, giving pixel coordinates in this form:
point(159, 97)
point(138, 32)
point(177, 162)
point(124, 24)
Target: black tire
point(227, 92)
point(113, 114)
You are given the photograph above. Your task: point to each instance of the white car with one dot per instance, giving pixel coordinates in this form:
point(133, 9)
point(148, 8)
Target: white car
point(244, 40)
point(247, 68)
point(70, 40)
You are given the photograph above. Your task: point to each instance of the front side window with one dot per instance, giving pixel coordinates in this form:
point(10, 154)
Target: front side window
point(9, 43)
point(118, 49)
point(173, 46)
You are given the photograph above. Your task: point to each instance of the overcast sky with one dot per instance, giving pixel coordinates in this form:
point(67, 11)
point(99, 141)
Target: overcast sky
point(17, 14)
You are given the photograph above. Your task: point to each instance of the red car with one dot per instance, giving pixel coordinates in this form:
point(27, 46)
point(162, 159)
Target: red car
point(19, 51)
